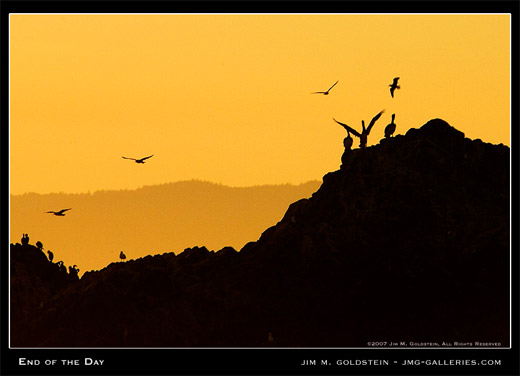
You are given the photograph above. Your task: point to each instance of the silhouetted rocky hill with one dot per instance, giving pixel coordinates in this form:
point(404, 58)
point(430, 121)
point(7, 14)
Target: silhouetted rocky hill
point(408, 241)
point(151, 220)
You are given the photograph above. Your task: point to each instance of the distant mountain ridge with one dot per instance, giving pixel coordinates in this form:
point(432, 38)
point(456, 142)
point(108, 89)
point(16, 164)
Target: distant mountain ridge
point(407, 241)
point(152, 219)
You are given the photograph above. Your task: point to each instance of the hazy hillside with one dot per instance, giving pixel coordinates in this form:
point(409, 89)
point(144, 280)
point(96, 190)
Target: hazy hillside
point(150, 220)
point(407, 242)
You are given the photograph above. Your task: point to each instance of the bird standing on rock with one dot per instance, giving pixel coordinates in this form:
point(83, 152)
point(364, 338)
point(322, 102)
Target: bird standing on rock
point(390, 128)
point(363, 136)
point(122, 256)
point(51, 255)
point(347, 141)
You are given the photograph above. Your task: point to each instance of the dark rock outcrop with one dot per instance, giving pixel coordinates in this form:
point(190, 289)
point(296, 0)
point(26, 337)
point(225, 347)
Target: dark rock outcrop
point(34, 281)
point(408, 241)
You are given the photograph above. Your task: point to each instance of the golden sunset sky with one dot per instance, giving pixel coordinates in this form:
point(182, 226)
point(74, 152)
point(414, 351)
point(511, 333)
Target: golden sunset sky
point(226, 98)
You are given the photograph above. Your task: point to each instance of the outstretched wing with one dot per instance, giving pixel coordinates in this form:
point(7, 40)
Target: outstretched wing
point(64, 210)
point(373, 121)
point(395, 81)
point(50, 212)
point(319, 92)
point(133, 159)
point(392, 88)
point(333, 85)
point(150, 156)
point(353, 131)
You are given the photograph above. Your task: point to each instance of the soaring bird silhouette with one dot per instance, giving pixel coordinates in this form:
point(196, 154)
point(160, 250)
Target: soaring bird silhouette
point(394, 86)
point(122, 256)
point(390, 128)
point(363, 136)
point(139, 160)
point(325, 92)
point(59, 213)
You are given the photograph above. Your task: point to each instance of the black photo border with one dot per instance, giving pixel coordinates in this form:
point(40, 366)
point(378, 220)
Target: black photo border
point(268, 361)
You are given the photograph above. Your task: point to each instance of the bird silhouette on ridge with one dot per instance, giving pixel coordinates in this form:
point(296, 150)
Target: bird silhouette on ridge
point(390, 128)
point(347, 141)
point(363, 136)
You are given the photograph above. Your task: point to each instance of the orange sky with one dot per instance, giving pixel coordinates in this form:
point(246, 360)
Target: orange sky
point(226, 98)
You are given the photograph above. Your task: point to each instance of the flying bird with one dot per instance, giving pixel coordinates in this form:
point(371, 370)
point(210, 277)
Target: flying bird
point(325, 92)
point(363, 136)
point(59, 213)
point(394, 86)
point(139, 160)
point(390, 128)
point(122, 256)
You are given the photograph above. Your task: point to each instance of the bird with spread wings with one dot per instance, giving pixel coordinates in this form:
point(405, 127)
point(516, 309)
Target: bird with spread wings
point(394, 86)
point(139, 160)
point(59, 213)
point(363, 136)
point(325, 92)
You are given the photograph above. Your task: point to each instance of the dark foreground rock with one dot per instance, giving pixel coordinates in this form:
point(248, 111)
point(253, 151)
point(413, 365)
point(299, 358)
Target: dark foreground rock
point(408, 241)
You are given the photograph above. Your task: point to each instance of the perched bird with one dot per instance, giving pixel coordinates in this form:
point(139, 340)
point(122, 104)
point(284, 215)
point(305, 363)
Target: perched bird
point(394, 86)
point(139, 160)
point(347, 141)
point(122, 256)
point(363, 136)
point(325, 92)
point(59, 213)
point(61, 267)
point(51, 256)
point(390, 128)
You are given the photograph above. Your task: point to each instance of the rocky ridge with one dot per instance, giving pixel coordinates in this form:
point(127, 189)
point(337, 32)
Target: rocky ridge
point(407, 241)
